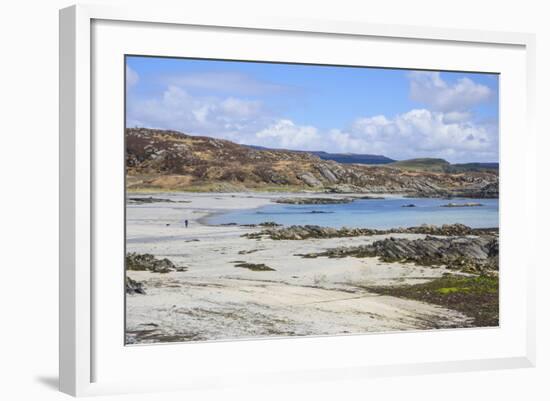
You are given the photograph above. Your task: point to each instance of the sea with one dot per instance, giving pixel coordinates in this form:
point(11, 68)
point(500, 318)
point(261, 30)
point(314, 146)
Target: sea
point(370, 213)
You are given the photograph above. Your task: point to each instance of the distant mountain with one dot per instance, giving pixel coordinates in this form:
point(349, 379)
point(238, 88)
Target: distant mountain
point(345, 158)
point(169, 160)
point(443, 166)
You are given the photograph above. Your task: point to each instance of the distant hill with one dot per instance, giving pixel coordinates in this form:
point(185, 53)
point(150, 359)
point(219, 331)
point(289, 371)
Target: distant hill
point(443, 166)
point(476, 166)
point(170, 160)
point(352, 158)
point(424, 164)
point(345, 158)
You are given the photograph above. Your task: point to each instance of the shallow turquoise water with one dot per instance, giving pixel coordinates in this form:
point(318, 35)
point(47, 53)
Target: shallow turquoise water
point(371, 213)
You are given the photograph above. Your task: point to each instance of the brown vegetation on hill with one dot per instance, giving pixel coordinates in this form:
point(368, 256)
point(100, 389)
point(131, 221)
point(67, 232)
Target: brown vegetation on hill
point(169, 160)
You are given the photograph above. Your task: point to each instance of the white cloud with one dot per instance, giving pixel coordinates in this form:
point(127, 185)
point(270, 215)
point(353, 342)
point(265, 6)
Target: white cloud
point(287, 135)
point(346, 142)
point(231, 118)
point(132, 77)
point(420, 133)
point(457, 116)
point(417, 133)
point(430, 89)
point(240, 108)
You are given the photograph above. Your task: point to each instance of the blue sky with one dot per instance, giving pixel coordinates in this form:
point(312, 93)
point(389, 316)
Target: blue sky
point(399, 113)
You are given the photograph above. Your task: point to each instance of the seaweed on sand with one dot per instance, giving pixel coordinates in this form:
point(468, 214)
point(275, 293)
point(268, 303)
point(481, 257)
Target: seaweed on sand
point(475, 296)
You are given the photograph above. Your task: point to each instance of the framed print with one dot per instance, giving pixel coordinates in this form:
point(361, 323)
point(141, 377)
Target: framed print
point(278, 200)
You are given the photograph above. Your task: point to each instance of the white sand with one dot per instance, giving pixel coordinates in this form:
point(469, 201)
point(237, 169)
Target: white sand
point(214, 299)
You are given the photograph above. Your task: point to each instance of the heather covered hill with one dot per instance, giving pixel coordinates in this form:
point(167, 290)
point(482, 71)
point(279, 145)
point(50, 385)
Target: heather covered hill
point(169, 160)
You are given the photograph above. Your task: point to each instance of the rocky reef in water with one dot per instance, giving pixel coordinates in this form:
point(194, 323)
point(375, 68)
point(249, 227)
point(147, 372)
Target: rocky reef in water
point(313, 201)
point(467, 204)
point(322, 201)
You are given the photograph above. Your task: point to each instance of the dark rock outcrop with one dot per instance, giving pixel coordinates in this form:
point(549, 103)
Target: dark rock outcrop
point(469, 254)
point(134, 287)
point(269, 224)
point(256, 267)
point(146, 261)
point(150, 199)
point(313, 231)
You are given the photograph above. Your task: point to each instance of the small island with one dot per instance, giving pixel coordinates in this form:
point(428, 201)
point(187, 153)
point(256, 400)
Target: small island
point(313, 201)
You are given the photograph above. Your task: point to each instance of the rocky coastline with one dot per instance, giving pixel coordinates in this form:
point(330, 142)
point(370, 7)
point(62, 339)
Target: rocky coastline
point(297, 232)
point(467, 254)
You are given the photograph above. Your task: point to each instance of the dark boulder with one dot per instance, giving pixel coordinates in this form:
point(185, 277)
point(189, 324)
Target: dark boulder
point(134, 287)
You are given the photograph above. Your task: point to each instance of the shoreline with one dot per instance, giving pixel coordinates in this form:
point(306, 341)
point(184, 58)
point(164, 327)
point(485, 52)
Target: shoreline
point(306, 190)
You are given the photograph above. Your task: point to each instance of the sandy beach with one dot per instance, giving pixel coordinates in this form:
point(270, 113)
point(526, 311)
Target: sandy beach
point(216, 300)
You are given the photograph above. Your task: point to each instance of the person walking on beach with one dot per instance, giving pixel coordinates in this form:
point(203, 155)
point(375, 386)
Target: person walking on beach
point(186, 223)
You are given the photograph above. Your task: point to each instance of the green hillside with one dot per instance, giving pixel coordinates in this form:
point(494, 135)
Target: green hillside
point(443, 166)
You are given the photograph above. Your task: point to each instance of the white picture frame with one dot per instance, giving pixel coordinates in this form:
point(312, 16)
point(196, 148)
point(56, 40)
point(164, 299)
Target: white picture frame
point(81, 347)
